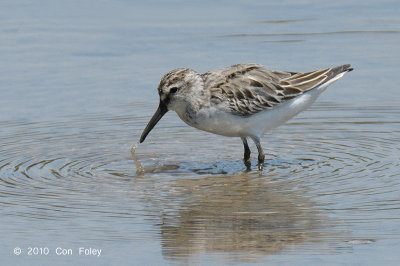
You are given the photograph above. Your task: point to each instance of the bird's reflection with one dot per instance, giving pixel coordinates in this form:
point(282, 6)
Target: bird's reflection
point(248, 215)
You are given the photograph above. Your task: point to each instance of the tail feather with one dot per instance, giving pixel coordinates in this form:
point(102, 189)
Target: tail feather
point(333, 72)
point(303, 82)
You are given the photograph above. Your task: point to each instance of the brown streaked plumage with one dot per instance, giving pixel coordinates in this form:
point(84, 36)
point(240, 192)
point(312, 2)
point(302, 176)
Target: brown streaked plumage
point(250, 88)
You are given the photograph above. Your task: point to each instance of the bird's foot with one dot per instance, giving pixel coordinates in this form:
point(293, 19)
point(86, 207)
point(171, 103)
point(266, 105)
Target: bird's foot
point(247, 163)
point(261, 158)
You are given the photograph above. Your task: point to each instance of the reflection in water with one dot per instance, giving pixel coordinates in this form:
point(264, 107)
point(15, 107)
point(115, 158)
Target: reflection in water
point(194, 204)
point(344, 164)
point(247, 215)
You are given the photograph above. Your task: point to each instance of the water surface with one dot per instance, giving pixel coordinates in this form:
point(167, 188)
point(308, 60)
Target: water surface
point(78, 85)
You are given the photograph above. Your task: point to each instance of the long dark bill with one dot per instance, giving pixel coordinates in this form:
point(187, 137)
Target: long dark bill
point(161, 111)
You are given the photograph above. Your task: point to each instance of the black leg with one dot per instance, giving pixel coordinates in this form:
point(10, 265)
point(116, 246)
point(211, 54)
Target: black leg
point(246, 158)
point(261, 155)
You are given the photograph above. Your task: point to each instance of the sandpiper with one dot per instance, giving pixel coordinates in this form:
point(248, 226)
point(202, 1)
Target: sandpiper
point(243, 100)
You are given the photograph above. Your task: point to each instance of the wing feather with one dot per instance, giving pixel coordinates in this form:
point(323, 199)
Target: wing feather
point(247, 89)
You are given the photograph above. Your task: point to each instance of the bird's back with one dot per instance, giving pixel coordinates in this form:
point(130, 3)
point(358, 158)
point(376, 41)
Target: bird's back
point(248, 89)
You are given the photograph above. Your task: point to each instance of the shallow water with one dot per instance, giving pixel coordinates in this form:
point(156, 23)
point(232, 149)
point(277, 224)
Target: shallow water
point(78, 85)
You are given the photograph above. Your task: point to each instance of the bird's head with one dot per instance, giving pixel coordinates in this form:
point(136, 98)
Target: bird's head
point(174, 89)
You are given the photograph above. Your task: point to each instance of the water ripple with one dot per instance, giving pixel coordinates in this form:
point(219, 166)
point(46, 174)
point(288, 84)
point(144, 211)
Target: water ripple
point(200, 197)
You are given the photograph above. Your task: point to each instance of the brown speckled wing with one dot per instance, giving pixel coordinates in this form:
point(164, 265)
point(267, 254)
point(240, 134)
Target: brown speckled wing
point(249, 88)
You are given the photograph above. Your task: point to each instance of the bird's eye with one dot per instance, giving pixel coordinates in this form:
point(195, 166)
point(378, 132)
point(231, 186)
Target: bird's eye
point(173, 90)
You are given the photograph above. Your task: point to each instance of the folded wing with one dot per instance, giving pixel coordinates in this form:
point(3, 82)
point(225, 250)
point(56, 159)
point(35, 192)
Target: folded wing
point(247, 89)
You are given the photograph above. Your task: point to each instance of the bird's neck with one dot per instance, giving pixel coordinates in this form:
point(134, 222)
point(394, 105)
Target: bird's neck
point(190, 107)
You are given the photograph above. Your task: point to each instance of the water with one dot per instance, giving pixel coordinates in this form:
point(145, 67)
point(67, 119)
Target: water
point(78, 85)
